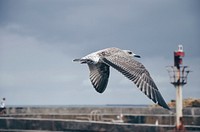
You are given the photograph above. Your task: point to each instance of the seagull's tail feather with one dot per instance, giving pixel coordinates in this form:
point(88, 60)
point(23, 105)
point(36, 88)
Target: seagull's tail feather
point(83, 61)
point(77, 60)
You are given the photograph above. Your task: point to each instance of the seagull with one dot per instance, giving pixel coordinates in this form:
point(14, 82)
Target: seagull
point(99, 64)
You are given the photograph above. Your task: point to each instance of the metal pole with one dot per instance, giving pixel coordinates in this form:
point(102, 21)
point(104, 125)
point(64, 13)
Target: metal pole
point(179, 103)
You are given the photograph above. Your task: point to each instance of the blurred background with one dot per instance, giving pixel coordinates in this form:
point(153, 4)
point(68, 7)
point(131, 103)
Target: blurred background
point(40, 38)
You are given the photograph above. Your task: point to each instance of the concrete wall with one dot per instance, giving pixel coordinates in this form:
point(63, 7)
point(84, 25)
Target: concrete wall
point(191, 116)
point(79, 118)
point(11, 124)
point(105, 110)
point(136, 119)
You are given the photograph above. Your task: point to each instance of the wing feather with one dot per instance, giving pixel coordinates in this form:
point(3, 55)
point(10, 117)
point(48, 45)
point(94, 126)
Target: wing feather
point(137, 73)
point(99, 74)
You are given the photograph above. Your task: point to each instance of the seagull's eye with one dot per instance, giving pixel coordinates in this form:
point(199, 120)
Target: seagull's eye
point(130, 52)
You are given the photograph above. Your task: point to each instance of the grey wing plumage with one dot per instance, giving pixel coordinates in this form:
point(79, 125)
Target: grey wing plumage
point(99, 74)
point(137, 73)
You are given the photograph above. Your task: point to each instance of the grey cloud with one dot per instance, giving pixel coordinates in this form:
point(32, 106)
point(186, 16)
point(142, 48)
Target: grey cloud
point(39, 39)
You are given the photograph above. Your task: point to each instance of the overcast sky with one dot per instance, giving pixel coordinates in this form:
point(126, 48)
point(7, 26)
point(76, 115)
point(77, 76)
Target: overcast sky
point(40, 38)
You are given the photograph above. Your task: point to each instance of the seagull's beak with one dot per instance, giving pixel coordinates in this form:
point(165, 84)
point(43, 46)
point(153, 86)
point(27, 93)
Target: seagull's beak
point(136, 56)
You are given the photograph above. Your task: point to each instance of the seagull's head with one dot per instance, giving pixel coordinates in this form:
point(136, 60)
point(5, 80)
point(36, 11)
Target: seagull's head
point(130, 53)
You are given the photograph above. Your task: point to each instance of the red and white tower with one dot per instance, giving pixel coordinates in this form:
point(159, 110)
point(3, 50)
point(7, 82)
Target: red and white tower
point(178, 77)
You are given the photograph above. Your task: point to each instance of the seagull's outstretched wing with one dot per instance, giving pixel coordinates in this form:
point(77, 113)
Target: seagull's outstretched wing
point(99, 74)
point(137, 73)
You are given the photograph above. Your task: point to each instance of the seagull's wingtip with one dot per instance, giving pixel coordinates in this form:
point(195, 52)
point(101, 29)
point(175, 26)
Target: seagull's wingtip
point(168, 108)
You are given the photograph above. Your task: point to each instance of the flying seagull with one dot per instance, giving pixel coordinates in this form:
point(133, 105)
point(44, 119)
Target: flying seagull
point(122, 60)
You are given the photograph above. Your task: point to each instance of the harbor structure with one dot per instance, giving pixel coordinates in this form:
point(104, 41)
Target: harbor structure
point(178, 77)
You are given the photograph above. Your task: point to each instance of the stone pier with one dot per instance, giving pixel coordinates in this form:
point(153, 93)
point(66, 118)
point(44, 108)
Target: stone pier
point(96, 119)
